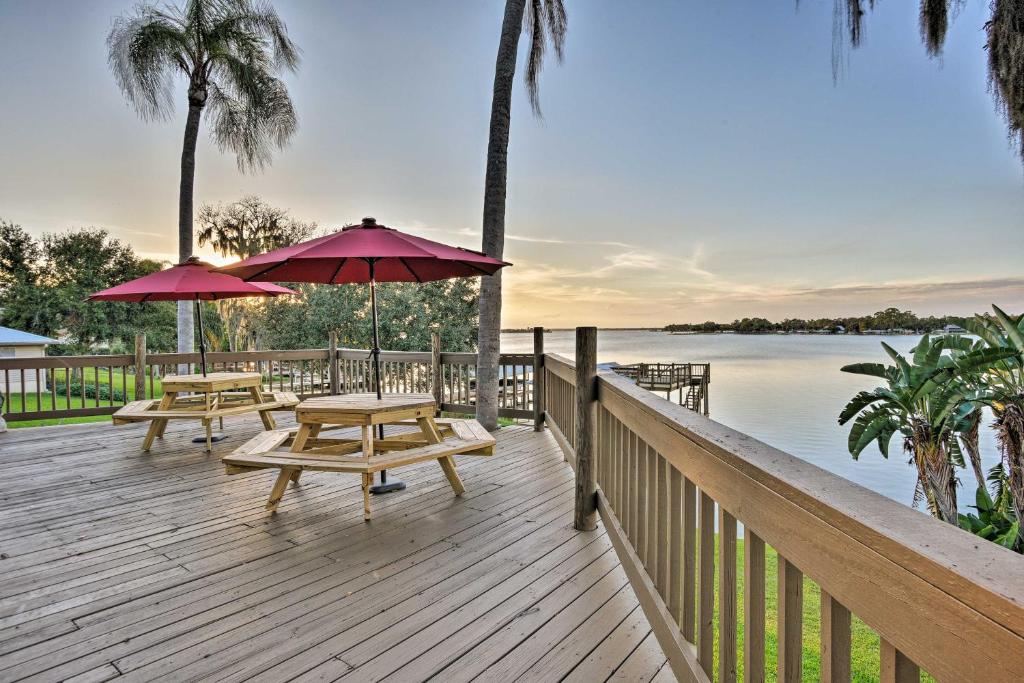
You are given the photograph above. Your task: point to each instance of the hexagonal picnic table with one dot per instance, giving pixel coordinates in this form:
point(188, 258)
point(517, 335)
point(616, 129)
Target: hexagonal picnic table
point(213, 396)
point(305, 448)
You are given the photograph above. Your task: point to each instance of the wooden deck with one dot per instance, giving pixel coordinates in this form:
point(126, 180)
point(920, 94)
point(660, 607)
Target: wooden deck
point(118, 564)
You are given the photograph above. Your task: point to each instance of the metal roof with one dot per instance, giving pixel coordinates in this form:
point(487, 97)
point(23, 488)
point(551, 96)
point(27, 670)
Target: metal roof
point(9, 337)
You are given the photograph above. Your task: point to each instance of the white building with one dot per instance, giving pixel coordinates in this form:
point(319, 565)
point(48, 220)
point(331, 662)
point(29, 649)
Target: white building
point(18, 344)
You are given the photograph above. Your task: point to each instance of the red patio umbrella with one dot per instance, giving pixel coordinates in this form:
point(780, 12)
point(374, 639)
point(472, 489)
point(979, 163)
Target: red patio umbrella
point(192, 280)
point(366, 253)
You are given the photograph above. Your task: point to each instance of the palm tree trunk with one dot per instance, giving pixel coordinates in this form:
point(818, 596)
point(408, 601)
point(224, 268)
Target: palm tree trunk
point(186, 330)
point(940, 482)
point(495, 185)
point(1009, 426)
point(969, 441)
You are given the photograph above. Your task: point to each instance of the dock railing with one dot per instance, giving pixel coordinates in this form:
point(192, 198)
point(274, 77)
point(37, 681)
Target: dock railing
point(671, 485)
point(53, 387)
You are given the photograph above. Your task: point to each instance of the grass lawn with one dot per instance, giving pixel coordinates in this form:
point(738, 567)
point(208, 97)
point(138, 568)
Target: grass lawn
point(46, 401)
point(864, 654)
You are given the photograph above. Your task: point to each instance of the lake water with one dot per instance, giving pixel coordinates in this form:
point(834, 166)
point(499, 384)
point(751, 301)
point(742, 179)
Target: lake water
point(785, 390)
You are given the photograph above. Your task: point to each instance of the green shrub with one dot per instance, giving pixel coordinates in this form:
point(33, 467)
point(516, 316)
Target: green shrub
point(105, 392)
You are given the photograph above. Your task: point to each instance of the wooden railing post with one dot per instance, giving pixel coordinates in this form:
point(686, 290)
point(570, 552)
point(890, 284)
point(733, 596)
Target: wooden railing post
point(332, 363)
point(585, 518)
point(436, 383)
point(140, 367)
point(538, 379)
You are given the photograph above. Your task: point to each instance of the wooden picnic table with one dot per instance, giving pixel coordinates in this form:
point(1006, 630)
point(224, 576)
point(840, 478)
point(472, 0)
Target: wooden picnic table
point(306, 448)
point(207, 398)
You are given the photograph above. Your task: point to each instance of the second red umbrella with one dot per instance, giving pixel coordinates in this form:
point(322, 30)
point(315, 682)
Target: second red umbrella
point(193, 280)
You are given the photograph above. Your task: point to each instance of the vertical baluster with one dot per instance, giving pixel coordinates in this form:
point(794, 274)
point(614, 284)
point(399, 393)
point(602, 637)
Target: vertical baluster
point(753, 607)
point(39, 393)
point(675, 543)
point(835, 640)
point(95, 385)
point(653, 507)
point(706, 589)
point(625, 504)
point(689, 597)
point(896, 666)
point(24, 400)
point(726, 597)
point(790, 622)
point(662, 540)
point(638, 465)
point(110, 385)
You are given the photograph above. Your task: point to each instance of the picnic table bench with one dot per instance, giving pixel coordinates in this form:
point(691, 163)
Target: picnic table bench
point(308, 447)
point(211, 397)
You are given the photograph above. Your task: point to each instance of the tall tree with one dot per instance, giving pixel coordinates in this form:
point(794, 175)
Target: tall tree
point(543, 21)
point(242, 229)
point(249, 227)
point(1005, 45)
point(230, 53)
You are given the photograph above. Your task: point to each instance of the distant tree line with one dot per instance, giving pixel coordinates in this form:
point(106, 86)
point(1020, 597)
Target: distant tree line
point(889, 320)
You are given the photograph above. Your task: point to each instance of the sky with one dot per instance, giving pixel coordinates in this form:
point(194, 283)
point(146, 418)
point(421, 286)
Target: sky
point(695, 160)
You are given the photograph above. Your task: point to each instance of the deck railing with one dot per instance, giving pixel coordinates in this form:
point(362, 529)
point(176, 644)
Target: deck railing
point(670, 485)
point(54, 387)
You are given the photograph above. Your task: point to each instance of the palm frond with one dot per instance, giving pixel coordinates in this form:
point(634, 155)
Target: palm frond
point(543, 21)
point(145, 51)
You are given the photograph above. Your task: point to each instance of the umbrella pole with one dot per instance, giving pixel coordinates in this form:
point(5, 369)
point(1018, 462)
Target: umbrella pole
point(202, 362)
point(202, 337)
point(383, 486)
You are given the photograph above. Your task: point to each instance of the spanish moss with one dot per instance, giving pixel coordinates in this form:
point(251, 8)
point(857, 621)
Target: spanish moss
point(1006, 65)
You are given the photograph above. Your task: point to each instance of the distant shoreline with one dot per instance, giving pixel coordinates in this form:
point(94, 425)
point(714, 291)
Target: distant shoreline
point(910, 333)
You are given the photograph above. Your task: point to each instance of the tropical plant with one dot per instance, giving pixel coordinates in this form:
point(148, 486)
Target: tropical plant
point(543, 21)
point(1004, 384)
point(1005, 45)
point(230, 53)
point(996, 519)
point(927, 403)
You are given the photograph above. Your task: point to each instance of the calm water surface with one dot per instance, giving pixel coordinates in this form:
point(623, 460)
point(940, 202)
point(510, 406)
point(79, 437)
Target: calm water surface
point(785, 390)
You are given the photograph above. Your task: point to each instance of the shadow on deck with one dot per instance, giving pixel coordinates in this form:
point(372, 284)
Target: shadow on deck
point(122, 564)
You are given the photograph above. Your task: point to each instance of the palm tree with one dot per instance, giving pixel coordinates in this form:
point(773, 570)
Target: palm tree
point(1005, 395)
point(925, 401)
point(230, 53)
point(1005, 45)
point(543, 21)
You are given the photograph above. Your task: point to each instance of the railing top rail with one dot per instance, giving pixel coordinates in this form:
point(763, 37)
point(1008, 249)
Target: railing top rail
point(47, 362)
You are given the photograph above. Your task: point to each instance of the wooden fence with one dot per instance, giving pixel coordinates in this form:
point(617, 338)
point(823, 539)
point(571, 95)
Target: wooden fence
point(670, 485)
point(79, 386)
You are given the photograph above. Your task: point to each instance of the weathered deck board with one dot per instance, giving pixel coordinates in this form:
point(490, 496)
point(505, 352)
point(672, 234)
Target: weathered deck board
point(136, 566)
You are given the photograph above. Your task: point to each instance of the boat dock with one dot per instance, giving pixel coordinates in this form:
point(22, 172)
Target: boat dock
point(691, 380)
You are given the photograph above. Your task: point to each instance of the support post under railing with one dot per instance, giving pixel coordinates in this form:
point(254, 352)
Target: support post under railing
point(436, 383)
point(538, 379)
point(585, 518)
point(332, 363)
point(140, 367)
